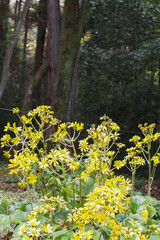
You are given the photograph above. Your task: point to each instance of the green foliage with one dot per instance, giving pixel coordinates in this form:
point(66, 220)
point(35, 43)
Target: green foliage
point(118, 64)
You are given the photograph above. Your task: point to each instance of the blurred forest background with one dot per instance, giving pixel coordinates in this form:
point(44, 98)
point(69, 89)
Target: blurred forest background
point(85, 58)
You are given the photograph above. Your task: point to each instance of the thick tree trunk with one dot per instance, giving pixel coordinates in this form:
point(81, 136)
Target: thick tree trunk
point(40, 46)
point(74, 15)
point(11, 46)
point(41, 34)
point(52, 47)
point(4, 13)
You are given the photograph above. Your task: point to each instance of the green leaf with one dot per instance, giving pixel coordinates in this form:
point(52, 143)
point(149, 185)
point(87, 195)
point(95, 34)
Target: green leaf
point(154, 237)
point(56, 235)
point(139, 199)
point(5, 202)
point(96, 235)
point(4, 222)
point(151, 211)
point(87, 186)
point(151, 222)
point(18, 216)
point(134, 206)
point(150, 201)
point(3, 210)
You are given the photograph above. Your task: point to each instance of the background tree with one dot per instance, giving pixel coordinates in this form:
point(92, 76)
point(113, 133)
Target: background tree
point(119, 63)
point(4, 16)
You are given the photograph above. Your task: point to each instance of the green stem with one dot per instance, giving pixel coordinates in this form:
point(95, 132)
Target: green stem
point(65, 182)
point(100, 235)
point(29, 192)
point(80, 191)
point(153, 173)
point(150, 170)
point(133, 181)
point(74, 200)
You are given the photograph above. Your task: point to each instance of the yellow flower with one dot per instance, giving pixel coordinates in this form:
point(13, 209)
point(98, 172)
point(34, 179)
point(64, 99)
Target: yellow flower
point(156, 160)
point(77, 236)
point(22, 229)
point(158, 231)
point(84, 176)
point(13, 171)
point(118, 164)
point(21, 184)
point(6, 154)
point(43, 163)
point(35, 232)
point(135, 139)
point(8, 127)
point(144, 215)
point(33, 222)
point(83, 145)
point(47, 228)
point(15, 110)
point(32, 178)
point(88, 235)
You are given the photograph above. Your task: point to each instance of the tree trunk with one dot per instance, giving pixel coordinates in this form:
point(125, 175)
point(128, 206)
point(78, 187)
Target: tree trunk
point(40, 45)
point(73, 91)
point(33, 82)
point(11, 46)
point(4, 13)
point(23, 71)
point(17, 12)
point(41, 34)
point(52, 47)
point(74, 15)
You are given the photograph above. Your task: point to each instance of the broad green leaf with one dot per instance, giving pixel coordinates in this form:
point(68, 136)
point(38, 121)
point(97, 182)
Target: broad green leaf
point(150, 201)
point(154, 237)
point(134, 206)
point(57, 234)
point(96, 235)
point(140, 199)
point(18, 216)
point(4, 202)
point(4, 222)
point(3, 210)
point(151, 211)
point(151, 221)
point(87, 186)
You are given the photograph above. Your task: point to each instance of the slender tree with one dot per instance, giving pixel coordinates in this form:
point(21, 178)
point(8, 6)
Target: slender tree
point(10, 48)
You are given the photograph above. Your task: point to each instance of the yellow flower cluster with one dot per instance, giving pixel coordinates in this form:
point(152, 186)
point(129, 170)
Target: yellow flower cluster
point(62, 135)
point(97, 149)
point(102, 205)
point(38, 226)
point(31, 146)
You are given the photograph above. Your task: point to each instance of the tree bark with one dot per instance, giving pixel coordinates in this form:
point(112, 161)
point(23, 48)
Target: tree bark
point(40, 47)
point(73, 91)
point(74, 15)
point(33, 82)
point(23, 70)
point(4, 13)
point(53, 47)
point(11, 46)
point(41, 33)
